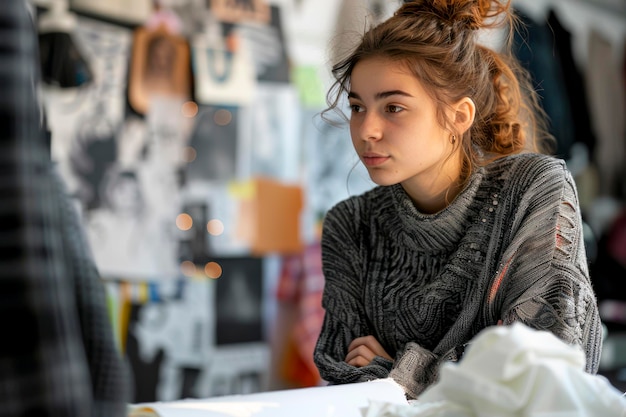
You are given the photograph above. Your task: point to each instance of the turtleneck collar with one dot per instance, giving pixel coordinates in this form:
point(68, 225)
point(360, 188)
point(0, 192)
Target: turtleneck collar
point(441, 230)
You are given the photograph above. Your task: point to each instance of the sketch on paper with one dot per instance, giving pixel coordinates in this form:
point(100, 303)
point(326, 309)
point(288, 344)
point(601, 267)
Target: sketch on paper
point(271, 136)
point(266, 42)
point(173, 345)
point(214, 140)
point(123, 170)
point(333, 171)
point(170, 345)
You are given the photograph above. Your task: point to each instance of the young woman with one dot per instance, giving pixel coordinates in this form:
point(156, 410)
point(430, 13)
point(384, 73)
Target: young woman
point(470, 224)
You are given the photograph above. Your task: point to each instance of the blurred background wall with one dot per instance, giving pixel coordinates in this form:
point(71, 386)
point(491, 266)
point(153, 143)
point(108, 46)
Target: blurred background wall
point(189, 133)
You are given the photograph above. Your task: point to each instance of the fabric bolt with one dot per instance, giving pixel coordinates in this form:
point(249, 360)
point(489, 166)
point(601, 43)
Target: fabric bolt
point(58, 355)
point(509, 247)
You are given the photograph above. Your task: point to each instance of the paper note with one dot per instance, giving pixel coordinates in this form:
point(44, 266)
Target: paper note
point(328, 401)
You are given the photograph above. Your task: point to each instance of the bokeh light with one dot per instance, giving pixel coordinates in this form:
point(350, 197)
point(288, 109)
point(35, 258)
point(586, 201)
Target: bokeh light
point(184, 221)
point(213, 270)
point(215, 227)
point(189, 109)
point(189, 154)
point(188, 268)
point(222, 117)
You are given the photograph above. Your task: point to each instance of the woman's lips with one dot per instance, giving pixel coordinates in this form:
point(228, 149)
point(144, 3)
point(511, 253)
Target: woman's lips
point(374, 160)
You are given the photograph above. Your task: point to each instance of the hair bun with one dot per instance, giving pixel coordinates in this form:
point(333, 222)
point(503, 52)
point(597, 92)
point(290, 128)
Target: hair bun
point(472, 14)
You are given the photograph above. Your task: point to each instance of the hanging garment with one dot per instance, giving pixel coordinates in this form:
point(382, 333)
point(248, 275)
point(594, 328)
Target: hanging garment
point(535, 49)
point(61, 60)
point(607, 97)
point(574, 84)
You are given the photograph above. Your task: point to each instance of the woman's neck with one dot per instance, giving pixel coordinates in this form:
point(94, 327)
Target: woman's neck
point(433, 194)
point(433, 203)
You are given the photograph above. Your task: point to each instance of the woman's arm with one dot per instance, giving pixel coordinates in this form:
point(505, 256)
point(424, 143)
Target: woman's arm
point(544, 279)
point(345, 318)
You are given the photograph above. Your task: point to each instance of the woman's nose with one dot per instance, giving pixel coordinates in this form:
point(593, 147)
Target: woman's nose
point(370, 127)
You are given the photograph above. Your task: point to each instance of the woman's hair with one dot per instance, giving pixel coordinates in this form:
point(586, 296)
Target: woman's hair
point(437, 41)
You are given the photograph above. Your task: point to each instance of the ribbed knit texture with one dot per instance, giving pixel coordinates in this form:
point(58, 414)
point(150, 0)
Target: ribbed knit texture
point(509, 248)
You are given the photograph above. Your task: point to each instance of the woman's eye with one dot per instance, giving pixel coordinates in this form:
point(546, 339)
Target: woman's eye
point(394, 109)
point(355, 108)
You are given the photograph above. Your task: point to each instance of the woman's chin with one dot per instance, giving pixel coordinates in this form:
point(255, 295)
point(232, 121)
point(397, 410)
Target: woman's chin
point(383, 180)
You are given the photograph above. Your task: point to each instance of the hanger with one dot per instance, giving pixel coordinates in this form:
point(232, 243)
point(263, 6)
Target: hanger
point(57, 19)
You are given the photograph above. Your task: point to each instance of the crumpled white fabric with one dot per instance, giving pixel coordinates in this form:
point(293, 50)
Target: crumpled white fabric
point(513, 371)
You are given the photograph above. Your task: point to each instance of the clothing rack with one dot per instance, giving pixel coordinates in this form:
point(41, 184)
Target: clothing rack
point(580, 17)
point(615, 8)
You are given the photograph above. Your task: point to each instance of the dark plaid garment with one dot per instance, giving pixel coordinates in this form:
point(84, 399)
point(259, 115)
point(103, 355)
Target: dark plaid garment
point(57, 351)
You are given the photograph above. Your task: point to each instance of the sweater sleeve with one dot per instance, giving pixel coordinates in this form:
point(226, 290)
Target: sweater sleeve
point(544, 275)
point(345, 317)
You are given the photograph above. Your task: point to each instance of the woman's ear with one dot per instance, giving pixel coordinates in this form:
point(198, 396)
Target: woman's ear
point(464, 112)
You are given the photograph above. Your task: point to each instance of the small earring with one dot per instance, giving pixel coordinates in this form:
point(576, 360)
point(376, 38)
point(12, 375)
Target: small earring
point(453, 139)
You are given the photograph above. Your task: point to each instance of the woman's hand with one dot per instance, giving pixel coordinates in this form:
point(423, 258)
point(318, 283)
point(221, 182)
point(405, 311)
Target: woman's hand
point(363, 350)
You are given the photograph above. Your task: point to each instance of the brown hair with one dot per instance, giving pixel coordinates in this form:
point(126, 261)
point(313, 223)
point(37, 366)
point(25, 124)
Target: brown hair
point(437, 40)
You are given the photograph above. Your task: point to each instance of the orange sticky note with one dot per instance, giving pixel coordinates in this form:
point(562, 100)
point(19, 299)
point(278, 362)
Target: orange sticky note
point(276, 209)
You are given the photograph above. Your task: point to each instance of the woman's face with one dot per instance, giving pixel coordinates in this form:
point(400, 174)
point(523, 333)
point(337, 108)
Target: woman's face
point(395, 130)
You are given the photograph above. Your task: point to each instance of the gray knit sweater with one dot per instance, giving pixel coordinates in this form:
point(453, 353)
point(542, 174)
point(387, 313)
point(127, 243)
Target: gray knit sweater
point(509, 247)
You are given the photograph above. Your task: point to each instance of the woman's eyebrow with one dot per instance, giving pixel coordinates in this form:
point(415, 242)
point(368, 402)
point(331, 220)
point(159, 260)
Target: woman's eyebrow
point(382, 94)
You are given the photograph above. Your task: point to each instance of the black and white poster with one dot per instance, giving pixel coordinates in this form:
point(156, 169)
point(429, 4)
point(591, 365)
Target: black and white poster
point(239, 301)
point(215, 144)
point(123, 170)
